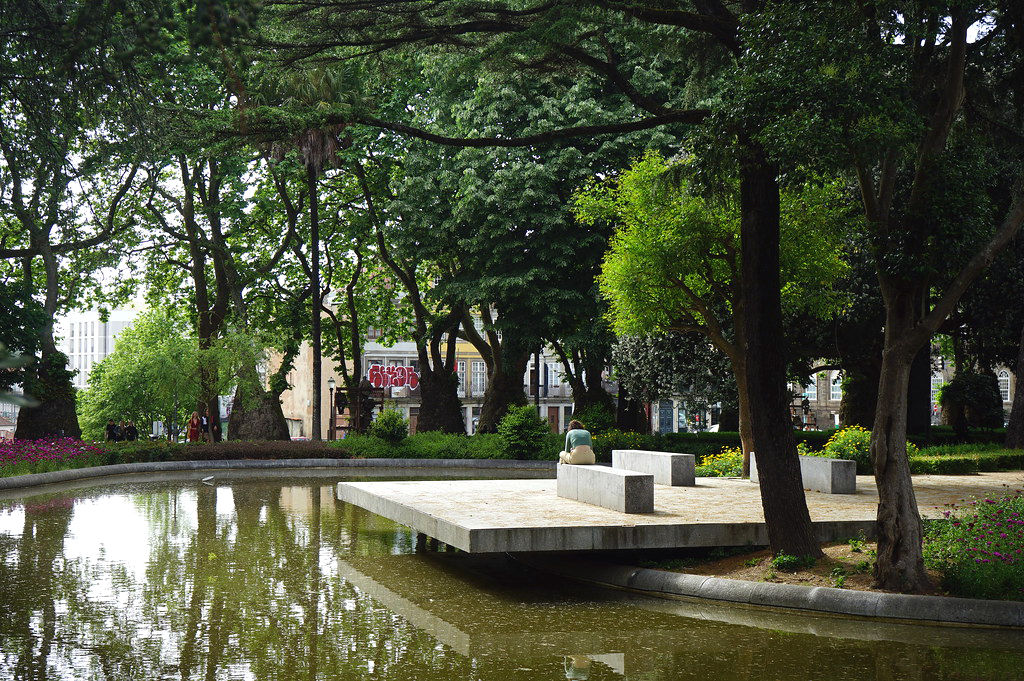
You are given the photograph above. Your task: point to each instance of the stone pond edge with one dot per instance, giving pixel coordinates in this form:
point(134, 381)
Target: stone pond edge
point(71, 474)
point(658, 583)
point(945, 610)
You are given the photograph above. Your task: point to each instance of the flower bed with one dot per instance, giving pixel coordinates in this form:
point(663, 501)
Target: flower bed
point(18, 457)
point(978, 548)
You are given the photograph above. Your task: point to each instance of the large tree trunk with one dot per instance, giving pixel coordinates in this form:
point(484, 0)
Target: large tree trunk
point(504, 389)
point(314, 285)
point(257, 416)
point(860, 398)
point(630, 414)
point(900, 565)
point(743, 402)
point(440, 406)
point(1015, 428)
point(919, 393)
point(49, 382)
point(782, 495)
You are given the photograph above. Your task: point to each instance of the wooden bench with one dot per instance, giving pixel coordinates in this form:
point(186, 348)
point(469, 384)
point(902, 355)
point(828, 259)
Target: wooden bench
point(614, 488)
point(668, 468)
point(831, 476)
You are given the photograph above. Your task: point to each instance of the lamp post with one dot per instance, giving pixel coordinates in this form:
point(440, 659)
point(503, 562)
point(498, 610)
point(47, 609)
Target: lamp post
point(332, 423)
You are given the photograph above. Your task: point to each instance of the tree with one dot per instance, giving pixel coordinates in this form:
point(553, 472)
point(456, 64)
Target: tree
point(882, 91)
point(603, 41)
point(663, 365)
point(152, 376)
point(674, 262)
point(64, 177)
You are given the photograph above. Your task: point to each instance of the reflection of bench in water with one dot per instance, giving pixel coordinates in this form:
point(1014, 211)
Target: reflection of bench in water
point(498, 608)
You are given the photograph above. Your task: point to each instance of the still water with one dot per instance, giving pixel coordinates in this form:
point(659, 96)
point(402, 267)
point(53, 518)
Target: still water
point(267, 576)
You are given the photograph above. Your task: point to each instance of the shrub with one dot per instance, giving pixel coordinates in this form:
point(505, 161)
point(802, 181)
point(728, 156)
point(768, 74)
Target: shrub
point(854, 443)
point(972, 400)
point(978, 548)
point(943, 465)
point(727, 463)
point(617, 439)
point(522, 433)
point(596, 418)
point(390, 426)
point(788, 563)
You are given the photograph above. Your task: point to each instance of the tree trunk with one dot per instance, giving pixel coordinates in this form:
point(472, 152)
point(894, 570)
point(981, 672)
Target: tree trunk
point(860, 398)
point(440, 406)
point(743, 403)
point(257, 417)
point(50, 383)
point(1015, 428)
point(504, 389)
point(630, 414)
point(782, 495)
point(900, 565)
point(314, 285)
point(919, 393)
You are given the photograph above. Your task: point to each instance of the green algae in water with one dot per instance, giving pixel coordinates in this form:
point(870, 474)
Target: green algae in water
point(272, 578)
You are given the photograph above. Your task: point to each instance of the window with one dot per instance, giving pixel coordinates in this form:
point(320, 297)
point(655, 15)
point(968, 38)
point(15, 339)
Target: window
point(461, 372)
point(1004, 385)
point(554, 380)
point(479, 378)
point(566, 417)
point(811, 391)
point(835, 386)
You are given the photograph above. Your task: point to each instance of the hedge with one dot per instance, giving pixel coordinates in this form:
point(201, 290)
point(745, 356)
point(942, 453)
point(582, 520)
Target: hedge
point(144, 451)
point(432, 445)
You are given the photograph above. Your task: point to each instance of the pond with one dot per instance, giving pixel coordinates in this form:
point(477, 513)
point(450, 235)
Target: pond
point(265, 575)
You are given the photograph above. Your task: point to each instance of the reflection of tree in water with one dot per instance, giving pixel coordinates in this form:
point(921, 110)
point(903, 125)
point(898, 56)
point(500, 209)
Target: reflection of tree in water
point(33, 579)
point(261, 591)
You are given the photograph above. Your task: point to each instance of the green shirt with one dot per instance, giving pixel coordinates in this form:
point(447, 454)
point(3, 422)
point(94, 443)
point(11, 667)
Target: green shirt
point(577, 437)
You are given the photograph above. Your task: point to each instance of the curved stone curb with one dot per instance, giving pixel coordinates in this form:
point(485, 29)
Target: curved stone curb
point(828, 600)
point(35, 479)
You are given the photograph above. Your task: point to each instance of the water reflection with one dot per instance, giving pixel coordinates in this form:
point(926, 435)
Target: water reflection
point(269, 577)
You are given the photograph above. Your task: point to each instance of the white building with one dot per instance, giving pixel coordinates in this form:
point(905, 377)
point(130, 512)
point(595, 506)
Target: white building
point(86, 340)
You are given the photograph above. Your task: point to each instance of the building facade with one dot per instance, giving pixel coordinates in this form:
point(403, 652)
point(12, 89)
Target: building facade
point(554, 400)
point(816, 405)
point(86, 339)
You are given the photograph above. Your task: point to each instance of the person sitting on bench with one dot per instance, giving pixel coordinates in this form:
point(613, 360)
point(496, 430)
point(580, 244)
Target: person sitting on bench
point(579, 447)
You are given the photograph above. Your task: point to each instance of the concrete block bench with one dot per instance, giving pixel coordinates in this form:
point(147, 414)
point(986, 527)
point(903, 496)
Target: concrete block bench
point(614, 488)
point(668, 468)
point(831, 476)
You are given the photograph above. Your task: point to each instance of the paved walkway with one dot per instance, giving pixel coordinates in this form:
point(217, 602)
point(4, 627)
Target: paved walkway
point(526, 515)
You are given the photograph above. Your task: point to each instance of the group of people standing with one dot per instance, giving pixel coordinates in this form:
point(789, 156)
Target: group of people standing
point(121, 432)
point(199, 428)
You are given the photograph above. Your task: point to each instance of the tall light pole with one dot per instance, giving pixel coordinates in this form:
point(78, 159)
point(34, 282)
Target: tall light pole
point(330, 409)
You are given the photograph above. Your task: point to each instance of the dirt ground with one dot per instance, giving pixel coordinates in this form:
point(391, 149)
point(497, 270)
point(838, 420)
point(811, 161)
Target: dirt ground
point(846, 565)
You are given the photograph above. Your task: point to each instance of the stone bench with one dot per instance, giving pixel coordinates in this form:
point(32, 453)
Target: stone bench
point(668, 468)
point(831, 476)
point(614, 488)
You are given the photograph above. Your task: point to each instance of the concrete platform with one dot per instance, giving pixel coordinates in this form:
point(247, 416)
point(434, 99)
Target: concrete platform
point(487, 516)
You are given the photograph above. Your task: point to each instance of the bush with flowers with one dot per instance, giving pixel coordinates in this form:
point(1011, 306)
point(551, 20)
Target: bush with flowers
point(979, 549)
point(854, 443)
point(726, 464)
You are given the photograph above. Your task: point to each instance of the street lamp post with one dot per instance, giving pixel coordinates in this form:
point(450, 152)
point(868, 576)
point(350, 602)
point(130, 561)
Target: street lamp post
point(333, 422)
